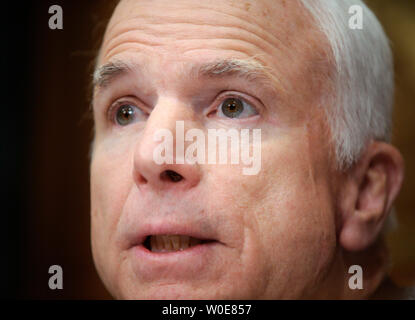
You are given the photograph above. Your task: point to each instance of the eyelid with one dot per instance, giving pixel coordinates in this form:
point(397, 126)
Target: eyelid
point(253, 102)
point(128, 100)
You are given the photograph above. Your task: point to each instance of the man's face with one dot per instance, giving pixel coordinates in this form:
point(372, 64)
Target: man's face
point(274, 233)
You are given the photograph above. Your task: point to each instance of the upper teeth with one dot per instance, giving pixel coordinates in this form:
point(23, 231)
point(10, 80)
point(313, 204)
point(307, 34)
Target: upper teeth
point(168, 243)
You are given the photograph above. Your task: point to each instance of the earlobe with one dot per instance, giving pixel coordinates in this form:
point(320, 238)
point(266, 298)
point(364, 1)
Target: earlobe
point(376, 181)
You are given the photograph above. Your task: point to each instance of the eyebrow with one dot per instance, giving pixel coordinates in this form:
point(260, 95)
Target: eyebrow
point(249, 69)
point(106, 73)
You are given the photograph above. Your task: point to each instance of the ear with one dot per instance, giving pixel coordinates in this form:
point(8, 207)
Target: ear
point(371, 188)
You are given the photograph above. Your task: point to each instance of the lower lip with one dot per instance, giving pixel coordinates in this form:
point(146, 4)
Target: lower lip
point(178, 264)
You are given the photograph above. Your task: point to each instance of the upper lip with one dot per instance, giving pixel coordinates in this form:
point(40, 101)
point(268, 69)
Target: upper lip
point(169, 229)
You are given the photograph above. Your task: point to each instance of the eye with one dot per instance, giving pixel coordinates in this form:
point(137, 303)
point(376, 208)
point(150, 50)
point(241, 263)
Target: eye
point(126, 114)
point(236, 108)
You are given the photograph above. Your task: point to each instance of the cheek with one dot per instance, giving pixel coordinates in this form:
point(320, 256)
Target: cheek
point(111, 182)
point(288, 215)
point(111, 178)
point(303, 216)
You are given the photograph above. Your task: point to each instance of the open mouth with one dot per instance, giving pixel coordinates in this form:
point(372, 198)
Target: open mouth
point(172, 243)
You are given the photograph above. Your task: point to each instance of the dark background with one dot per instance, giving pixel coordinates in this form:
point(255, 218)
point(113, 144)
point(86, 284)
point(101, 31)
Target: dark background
point(46, 132)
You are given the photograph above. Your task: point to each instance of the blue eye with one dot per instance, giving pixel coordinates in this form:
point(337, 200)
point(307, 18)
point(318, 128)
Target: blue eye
point(127, 114)
point(236, 108)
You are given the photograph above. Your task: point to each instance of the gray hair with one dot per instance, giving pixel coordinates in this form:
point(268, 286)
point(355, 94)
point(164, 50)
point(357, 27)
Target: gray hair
point(364, 82)
point(363, 79)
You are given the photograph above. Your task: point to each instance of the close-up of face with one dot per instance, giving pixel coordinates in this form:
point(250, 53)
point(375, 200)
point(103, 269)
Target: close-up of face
point(207, 230)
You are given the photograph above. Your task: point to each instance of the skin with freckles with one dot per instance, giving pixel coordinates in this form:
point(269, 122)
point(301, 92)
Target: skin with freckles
point(277, 232)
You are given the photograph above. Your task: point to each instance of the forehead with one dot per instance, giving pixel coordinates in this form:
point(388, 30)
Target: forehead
point(250, 27)
point(264, 13)
point(281, 35)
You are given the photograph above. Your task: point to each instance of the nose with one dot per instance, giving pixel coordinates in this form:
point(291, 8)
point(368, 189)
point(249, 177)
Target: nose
point(171, 117)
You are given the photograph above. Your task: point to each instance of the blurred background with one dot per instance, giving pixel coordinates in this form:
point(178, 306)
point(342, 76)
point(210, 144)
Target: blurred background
point(47, 132)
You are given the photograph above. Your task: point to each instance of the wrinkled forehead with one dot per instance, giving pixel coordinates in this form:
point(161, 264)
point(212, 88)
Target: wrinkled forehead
point(280, 24)
point(281, 35)
point(262, 12)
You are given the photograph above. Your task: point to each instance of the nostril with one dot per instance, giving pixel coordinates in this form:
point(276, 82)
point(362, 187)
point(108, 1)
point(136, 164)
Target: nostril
point(171, 175)
point(141, 179)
